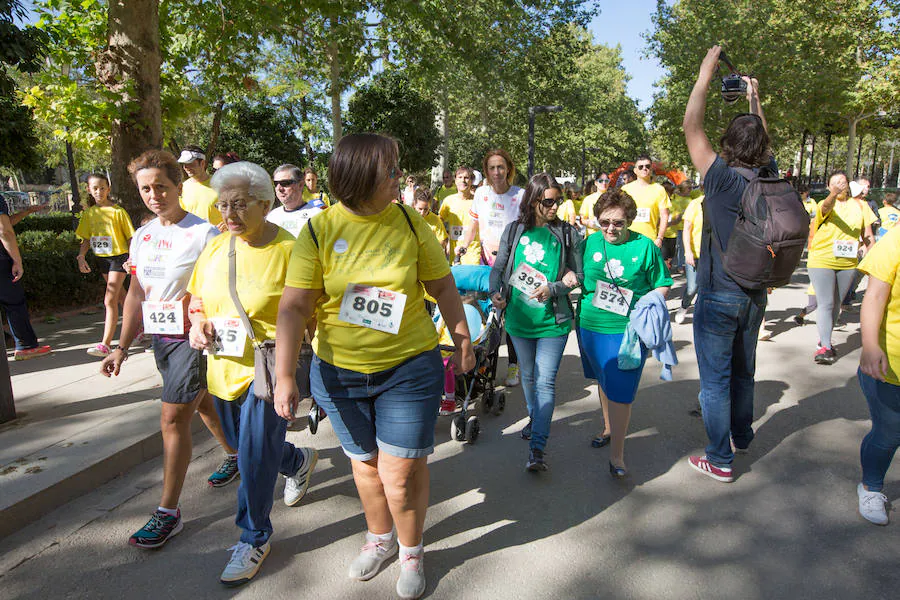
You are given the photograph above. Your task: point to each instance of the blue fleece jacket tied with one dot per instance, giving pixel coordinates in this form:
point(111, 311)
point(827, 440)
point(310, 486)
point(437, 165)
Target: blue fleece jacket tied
point(649, 324)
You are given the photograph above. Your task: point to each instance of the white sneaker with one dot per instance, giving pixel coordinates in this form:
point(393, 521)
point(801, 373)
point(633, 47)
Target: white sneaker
point(680, 314)
point(411, 584)
point(512, 376)
point(371, 557)
point(872, 505)
point(296, 485)
point(244, 563)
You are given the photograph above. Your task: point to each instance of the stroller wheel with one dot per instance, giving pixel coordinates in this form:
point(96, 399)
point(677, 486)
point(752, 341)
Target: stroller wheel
point(473, 428)
point(487, 401)
point(499, 403)
point(458, 428)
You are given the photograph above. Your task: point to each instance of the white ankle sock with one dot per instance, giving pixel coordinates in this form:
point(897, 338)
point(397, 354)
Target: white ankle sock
point(412, 551)
point(172, 512)
point(380, 537)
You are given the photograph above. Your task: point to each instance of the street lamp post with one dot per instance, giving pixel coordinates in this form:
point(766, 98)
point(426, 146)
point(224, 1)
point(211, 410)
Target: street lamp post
point(532, 111)
point(70, 157)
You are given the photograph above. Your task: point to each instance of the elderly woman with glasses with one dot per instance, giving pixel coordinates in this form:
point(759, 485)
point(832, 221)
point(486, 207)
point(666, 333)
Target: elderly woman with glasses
point(531, 278)
point(620, 267)
point(260, 252)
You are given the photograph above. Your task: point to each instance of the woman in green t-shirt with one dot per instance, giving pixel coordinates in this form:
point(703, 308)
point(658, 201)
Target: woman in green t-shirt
point(619, 268)
point(531, 277)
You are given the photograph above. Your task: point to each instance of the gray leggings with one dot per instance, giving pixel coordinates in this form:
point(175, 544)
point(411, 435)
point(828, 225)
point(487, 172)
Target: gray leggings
point(830, 286)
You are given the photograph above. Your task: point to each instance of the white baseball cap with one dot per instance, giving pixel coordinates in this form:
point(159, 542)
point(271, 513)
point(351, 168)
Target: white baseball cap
point(189, 156)
point(476, 177)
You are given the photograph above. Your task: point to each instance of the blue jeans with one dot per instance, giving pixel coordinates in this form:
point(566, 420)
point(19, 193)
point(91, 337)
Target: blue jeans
point(539, 360)
point(880, 444)
point(726, 328)
point(252, 426)
point(690, 287)
point(12, 299)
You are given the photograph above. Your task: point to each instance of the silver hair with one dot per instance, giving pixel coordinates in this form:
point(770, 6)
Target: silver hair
point(259, 185)
point(296, 172)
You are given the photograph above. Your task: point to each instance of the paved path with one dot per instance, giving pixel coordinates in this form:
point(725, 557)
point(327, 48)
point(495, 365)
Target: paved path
point(786, 528)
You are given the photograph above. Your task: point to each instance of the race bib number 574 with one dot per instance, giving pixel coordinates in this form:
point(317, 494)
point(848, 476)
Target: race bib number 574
point(373, 307)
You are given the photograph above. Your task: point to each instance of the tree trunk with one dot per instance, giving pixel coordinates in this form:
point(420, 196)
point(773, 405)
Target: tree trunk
point(336, 88)
point(130, 68)
point(216, 128)
point(304, 118)
point(851, 142)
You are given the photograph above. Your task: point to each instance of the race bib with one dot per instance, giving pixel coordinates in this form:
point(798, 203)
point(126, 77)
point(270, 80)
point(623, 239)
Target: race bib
point(846, 248)
point(456, 232)
point(101, 245)
point(231, 337)
point(496, 222)
point(163, 318)
point(372, 307)
point(527, 280)
point(643, 215)
point(612, 299)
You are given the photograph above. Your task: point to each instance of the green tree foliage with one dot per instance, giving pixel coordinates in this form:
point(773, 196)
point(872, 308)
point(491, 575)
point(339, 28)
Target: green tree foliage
point(390, 105)
point(21, 48)
point(260, 133)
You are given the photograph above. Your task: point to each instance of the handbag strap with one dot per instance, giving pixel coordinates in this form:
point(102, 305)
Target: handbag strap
point(232, 289)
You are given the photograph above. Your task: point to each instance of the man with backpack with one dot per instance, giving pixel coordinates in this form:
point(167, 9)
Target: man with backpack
point(732, 293)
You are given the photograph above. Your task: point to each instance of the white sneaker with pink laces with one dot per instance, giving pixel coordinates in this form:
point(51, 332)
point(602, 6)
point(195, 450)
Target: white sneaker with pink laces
point(374, 553)
point(411, 584)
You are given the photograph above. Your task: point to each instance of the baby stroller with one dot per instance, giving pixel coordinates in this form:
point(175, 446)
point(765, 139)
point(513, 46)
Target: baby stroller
point(463, 391)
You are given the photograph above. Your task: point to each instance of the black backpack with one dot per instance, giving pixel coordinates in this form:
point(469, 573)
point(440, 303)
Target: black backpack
point(769, 234)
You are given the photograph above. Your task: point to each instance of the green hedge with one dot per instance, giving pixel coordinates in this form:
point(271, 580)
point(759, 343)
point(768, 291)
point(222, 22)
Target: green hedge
point(57, 222)
point(52, 280)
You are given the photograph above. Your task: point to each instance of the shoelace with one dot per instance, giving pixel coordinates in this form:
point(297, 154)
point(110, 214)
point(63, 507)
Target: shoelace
point(156, 521)
point(227, 466)
point(241, 552)
point(375, 546)
point(873, 495)
point(410, 562)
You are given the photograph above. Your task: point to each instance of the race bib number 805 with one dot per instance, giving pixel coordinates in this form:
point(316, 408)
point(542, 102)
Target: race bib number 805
point(373, 307)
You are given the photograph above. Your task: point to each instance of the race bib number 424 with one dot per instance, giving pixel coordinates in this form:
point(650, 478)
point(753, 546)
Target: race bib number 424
point(373, 307)
point(163, 318)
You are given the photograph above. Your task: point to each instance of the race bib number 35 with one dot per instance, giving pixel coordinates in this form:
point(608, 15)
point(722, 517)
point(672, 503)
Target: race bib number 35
point(846, 248)
point(610, 298)
point(231, 337)
point(101, 245)
point(163, 318)
point(527, 279)
point(373, 307)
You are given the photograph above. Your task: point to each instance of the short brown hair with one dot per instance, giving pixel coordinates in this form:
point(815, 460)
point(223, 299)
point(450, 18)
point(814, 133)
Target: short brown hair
point(156, 159)
point(310, 171)
point(358, 165)
point(511, 173)
point(616, 198)
point(421, 195)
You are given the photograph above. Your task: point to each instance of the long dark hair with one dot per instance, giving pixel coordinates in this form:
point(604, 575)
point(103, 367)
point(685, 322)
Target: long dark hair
point(745, 142)
point(534, 192)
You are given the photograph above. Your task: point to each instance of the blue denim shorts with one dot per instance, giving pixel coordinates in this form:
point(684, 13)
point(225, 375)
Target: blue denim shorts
point(393, 411)
point(600, 360)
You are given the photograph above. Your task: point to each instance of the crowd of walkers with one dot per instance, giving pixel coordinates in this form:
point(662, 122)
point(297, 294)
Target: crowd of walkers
point(252, 308)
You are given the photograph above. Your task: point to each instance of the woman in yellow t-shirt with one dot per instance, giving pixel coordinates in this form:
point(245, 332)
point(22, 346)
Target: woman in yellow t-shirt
point(879, 372)
point(840, 223)
point(261, 253)
point(362, 268)
point(105, 229)
point(690, 238)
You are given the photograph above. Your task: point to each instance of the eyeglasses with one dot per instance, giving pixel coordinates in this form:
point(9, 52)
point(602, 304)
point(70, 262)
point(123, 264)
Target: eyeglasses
point(605, 223)
point(239, 206)
point(548, 202)
point(641, 167)
point(285, 182)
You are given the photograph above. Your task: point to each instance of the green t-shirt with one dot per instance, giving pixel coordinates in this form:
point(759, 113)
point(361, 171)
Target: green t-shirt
point(527, 318)
point(636, 265)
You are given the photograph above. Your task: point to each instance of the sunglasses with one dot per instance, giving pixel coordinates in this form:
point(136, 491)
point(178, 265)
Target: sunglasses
point(548, 202)
point(285, 182)
point(605, 223)
point(641, 167)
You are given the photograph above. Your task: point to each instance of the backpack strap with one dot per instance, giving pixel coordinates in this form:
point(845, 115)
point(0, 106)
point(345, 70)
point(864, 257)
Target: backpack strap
point(408, 221)
point(312, 232)
point(747, 174)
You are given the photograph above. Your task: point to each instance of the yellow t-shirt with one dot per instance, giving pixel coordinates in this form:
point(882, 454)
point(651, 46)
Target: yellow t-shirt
point(309, 196)
point(845, 222)
point(650, 200)
point(260, 282)
point(889, 216)
point(198, 198)
point(437, 226)
point(442, 192)
point(587, 212)
point(679, 205)
point(99, 222)
point(566, 211)
point(881, 263)
point(376, 250)
point(810, 206)
point(455, 215)
point(694, 214)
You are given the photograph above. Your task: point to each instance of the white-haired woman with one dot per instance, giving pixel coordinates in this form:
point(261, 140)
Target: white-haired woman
point(262, 251)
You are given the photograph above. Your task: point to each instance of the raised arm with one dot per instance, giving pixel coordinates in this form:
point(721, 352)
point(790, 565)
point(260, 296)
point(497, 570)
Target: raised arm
point(699, 146)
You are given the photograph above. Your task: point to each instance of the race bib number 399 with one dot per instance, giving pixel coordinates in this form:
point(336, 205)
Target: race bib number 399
point(163, 318)
point(101, 245)
point(614, 299)
point(373, 307)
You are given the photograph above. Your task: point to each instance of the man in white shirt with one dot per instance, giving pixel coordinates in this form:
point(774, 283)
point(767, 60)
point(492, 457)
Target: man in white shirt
point(294, 212)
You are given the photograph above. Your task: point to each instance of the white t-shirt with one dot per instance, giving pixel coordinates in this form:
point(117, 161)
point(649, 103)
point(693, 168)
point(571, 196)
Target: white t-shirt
point(408, 196)
point(495, 211)
point(164, 257)
point(294, 220)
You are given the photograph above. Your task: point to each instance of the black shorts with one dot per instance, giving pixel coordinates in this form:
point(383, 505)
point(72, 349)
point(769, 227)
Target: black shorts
point(668, 248)
point(112, 263)
point(183, 369)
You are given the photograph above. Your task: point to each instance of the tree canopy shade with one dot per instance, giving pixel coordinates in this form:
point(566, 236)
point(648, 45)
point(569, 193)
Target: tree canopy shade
point(390, 105)
point(260, 133)
point(22, 48)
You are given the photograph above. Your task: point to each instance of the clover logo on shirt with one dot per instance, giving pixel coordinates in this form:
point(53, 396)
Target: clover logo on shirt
point(534, 252)
point(614, 268)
